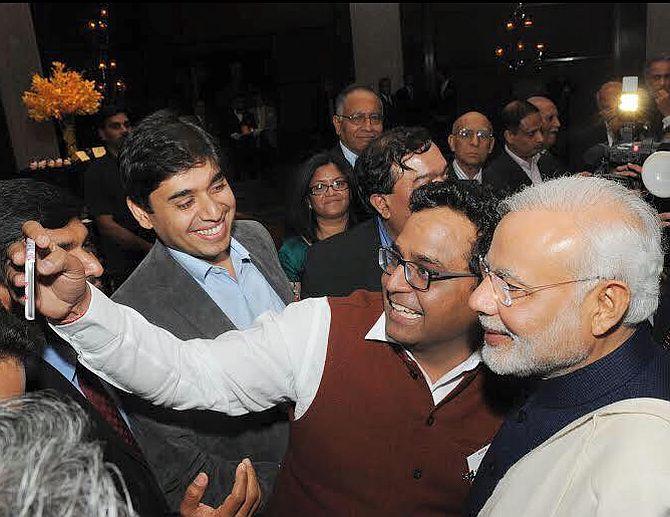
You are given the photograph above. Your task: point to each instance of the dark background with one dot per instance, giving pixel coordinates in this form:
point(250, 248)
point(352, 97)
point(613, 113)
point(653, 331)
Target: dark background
point(172, 54)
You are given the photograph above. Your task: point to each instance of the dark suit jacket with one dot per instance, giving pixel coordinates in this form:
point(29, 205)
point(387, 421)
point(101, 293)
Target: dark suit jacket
point(179, 444)
point(343, 263)
point(581, 140)
point(144, 491)
point(357, 196)
point(505, 176)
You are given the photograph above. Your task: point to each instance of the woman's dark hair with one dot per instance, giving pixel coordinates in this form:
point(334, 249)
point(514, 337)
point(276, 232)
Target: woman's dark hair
point(161, 146)
point(301, 219)
point(478, 203)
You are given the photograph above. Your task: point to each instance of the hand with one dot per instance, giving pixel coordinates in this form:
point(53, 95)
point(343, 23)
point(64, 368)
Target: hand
point(662, 99)
point(584, 173)
point(665, 219)
point(61, 292)
point(243, 500)
point(630, 169)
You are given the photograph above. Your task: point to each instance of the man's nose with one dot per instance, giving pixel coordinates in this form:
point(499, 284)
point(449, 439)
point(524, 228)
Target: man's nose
point(210, 209)
point(482, 299)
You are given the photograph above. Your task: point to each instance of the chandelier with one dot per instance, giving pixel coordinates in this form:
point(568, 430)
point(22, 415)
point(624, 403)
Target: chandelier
point(108, 82)
point(520, 49)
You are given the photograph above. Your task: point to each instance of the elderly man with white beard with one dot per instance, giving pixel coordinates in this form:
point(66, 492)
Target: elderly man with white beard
point(569, 282)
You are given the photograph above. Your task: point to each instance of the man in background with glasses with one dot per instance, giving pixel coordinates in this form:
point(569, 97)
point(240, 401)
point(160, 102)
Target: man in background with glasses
point(569, 282)
point(471, 140)
point(391, 167)
point(518, 165)
point(392, 408)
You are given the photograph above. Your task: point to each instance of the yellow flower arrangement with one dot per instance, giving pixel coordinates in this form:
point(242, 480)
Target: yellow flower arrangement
point(65, 93)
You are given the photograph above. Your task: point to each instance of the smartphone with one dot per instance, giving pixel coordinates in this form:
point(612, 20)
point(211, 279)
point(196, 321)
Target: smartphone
point(30, 279)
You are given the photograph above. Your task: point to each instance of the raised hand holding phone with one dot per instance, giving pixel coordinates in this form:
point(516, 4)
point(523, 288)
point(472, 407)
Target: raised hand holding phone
point(29, 271)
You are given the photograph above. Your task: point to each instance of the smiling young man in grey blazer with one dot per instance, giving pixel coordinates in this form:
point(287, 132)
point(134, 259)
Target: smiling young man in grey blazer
point(206, 274)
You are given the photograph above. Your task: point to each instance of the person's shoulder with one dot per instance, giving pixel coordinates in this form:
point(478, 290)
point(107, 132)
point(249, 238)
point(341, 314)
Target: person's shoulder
point(248, 231)
point(146, 277)
point(352, 240)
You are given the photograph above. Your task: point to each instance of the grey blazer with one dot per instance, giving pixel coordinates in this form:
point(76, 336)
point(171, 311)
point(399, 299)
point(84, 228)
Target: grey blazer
point(179, 444)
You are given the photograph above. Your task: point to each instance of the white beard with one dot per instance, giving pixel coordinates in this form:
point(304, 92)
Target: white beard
point(546, 354)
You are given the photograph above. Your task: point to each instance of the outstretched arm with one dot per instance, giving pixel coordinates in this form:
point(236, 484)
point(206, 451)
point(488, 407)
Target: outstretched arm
point(280, 359)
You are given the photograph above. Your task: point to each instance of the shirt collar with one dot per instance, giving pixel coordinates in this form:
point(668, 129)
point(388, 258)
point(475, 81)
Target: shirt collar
point(349, 154)
point(525, 165)
point(601, 377)
point(461, 175)
point(384, 235)
point(198, 268)
point(378, 333)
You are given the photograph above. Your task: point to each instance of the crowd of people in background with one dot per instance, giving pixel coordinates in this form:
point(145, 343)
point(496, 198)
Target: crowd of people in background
point(469, 323)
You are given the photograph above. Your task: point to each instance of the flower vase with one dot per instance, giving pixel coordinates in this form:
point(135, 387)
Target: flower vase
point(68, 129)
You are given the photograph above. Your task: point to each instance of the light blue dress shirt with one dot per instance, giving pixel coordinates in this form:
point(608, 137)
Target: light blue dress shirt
point(384, 236)
point(349, 154)
point(242, 299)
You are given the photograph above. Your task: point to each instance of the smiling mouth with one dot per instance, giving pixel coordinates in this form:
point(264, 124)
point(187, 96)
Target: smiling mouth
point(210, 232)
point(405, 312)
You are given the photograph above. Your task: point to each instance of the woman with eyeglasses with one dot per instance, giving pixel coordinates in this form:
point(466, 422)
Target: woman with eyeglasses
point(321, 206)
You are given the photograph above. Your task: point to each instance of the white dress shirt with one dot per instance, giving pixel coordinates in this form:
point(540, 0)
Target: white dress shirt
point(530, 168)
point(461, 175)
point(281, 358)
point(349, 154)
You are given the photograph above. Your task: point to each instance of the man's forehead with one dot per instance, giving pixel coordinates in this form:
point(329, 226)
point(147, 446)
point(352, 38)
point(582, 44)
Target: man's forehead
point(531, 122)
point(440, 232)
point(473, 121)
point(360, 100)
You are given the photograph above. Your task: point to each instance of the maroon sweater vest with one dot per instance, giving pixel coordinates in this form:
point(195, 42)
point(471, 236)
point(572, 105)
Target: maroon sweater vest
point(372, 442)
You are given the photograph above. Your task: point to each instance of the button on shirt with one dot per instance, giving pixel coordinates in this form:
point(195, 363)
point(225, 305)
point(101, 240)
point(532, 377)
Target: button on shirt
point(241, 299)
point(530, 168)
point(461, 175)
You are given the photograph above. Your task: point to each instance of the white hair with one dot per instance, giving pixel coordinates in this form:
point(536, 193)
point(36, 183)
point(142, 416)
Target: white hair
point(628, 248)
point(47, 469)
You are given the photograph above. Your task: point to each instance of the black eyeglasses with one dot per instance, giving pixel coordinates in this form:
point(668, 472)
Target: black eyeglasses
point(358, 119)
point(416, 275)
point(321, 188)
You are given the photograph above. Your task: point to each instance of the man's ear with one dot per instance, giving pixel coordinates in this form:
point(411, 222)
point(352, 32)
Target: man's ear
point(508, 135)
point(451, 140)
point(381, 205)
point(611, 303)
point(337, 124)
point(140, 214)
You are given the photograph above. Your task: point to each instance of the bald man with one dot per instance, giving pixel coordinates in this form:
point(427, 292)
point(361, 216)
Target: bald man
point(471, 140)
point(552, 157)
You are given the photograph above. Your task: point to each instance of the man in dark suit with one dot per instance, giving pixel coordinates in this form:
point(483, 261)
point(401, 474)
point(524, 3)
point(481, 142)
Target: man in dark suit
point(206, 274)
point(657, 79)
point(518, 164)
point(389, 169)
point(471, 140)
point(358, 119)
point(551, 158)
point(587, 141)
